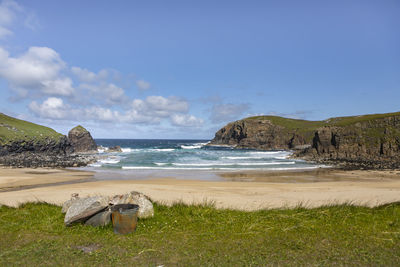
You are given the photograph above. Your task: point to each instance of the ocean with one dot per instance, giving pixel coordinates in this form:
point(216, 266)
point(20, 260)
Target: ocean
point(144, 158)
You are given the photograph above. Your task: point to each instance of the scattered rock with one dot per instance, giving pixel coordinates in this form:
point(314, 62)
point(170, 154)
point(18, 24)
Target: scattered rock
point(81, 140)
point(114, 149)
point(100, 219)
point(89, 248)
point(96, 211)
point(83, 208)
point(146, 208)
point(68, 203)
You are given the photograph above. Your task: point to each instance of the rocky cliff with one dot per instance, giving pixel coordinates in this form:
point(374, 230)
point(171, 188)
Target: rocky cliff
point(369, 140)
point(26, 144)
point(18, 136)
point(81, 140)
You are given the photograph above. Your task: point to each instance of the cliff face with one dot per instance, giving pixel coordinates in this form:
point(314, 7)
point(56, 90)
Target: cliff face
point(260, 134)
point(369, 138)
point(17, 136)
point(373, 140)
point(81, 140)
point(25, 144)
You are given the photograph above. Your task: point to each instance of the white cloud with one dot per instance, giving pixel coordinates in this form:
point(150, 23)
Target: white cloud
point(4, 32)
point(7, 16)
point(227, 112)
point(159, 106)
point(51, 108)
point(102, 114)
point(106, 92)
point(87, 76)
point(142, 85)
point(186, 120)
point(38, 69)
point(151, 110)
point(9, 11)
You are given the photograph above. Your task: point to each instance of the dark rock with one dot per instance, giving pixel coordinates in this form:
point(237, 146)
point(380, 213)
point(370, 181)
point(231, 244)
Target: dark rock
point(369, 141)
point(100, 219)
point(259, 134)
point(114, 149)
point(84, 208)
point(81, 140)
point(36, 160)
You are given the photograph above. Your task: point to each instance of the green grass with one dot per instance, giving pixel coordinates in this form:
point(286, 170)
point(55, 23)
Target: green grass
point(12, 129)
point(313, 125)
point(183, 235)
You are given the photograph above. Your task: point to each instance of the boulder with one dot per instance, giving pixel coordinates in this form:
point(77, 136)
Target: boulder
point(81, 140)
point(100, 219)
point(68, 203)
point(114, 149)
point(146, 208)
point(83, 208)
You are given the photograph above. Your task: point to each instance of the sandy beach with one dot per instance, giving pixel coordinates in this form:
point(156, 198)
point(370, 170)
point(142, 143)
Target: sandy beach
point(239, 190)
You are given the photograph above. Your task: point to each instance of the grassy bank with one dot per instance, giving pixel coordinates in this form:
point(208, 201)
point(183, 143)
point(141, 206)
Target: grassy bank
point(184, 235)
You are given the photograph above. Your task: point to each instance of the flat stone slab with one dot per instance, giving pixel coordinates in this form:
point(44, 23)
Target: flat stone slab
point(83, 208)
point(100, 219)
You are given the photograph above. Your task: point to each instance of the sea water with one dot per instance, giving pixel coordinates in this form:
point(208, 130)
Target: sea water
point(163, 158)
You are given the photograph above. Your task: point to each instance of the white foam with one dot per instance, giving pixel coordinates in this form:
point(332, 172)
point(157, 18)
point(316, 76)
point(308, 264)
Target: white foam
point(94, 165)
point(283, 157)
point(248, 157)
point(102, 149)
point(126, 150)
point(222, 169)
point(161, 168)
point(160, 163)
point(162, 149)
point(110, 160)
point(236, 164)
point(191, 147)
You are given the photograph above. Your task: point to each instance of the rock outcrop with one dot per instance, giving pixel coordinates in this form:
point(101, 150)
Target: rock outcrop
point(262, 133)
point(81, 140)
point(26, 144)
point(83, 208)
point(96, 211)
point(146, 209)
point(367, 141)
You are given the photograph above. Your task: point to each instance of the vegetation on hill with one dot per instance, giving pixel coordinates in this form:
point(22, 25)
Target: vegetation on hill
point(15, 130)
point(367, 141)
point(306, 125)
point(343, 235)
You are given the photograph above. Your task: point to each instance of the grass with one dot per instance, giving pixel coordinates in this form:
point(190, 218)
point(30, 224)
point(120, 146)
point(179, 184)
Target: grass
point(294, 124)
point(183, 235)
point(12, 129)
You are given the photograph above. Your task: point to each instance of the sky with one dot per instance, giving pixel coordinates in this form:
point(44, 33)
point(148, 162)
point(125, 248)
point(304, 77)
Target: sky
point(183, 69)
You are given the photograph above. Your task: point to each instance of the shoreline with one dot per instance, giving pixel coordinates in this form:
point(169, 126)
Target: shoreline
point(240, 190)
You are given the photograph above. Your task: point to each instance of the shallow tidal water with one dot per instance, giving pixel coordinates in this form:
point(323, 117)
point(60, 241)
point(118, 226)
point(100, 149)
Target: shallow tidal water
point(184, 159)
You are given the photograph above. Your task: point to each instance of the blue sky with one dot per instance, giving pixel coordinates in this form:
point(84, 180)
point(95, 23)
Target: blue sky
point(183, 69)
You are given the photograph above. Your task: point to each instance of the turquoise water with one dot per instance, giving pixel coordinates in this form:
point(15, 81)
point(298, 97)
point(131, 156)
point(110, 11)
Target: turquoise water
point(189, 155)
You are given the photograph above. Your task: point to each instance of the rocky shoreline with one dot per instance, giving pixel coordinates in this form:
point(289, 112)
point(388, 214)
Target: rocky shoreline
point(25, 144)
point(358, 142)
point(37, 160)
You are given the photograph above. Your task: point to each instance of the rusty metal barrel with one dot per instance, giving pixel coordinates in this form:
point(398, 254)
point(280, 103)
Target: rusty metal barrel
point(124, 218)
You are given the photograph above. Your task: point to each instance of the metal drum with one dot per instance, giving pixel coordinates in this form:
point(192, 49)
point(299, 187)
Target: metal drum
point(124, 218)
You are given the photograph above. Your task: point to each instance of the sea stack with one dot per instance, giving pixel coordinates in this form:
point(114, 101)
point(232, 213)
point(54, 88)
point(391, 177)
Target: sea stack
point(81, 140)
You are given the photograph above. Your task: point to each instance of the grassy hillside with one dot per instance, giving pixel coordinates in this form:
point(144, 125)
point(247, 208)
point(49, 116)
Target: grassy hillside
point(182, 235)
point(12, 129)
point(313, 125)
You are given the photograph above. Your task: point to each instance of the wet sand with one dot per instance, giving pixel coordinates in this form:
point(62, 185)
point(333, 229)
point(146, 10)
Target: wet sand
point(12, 179)
point(239, 190)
